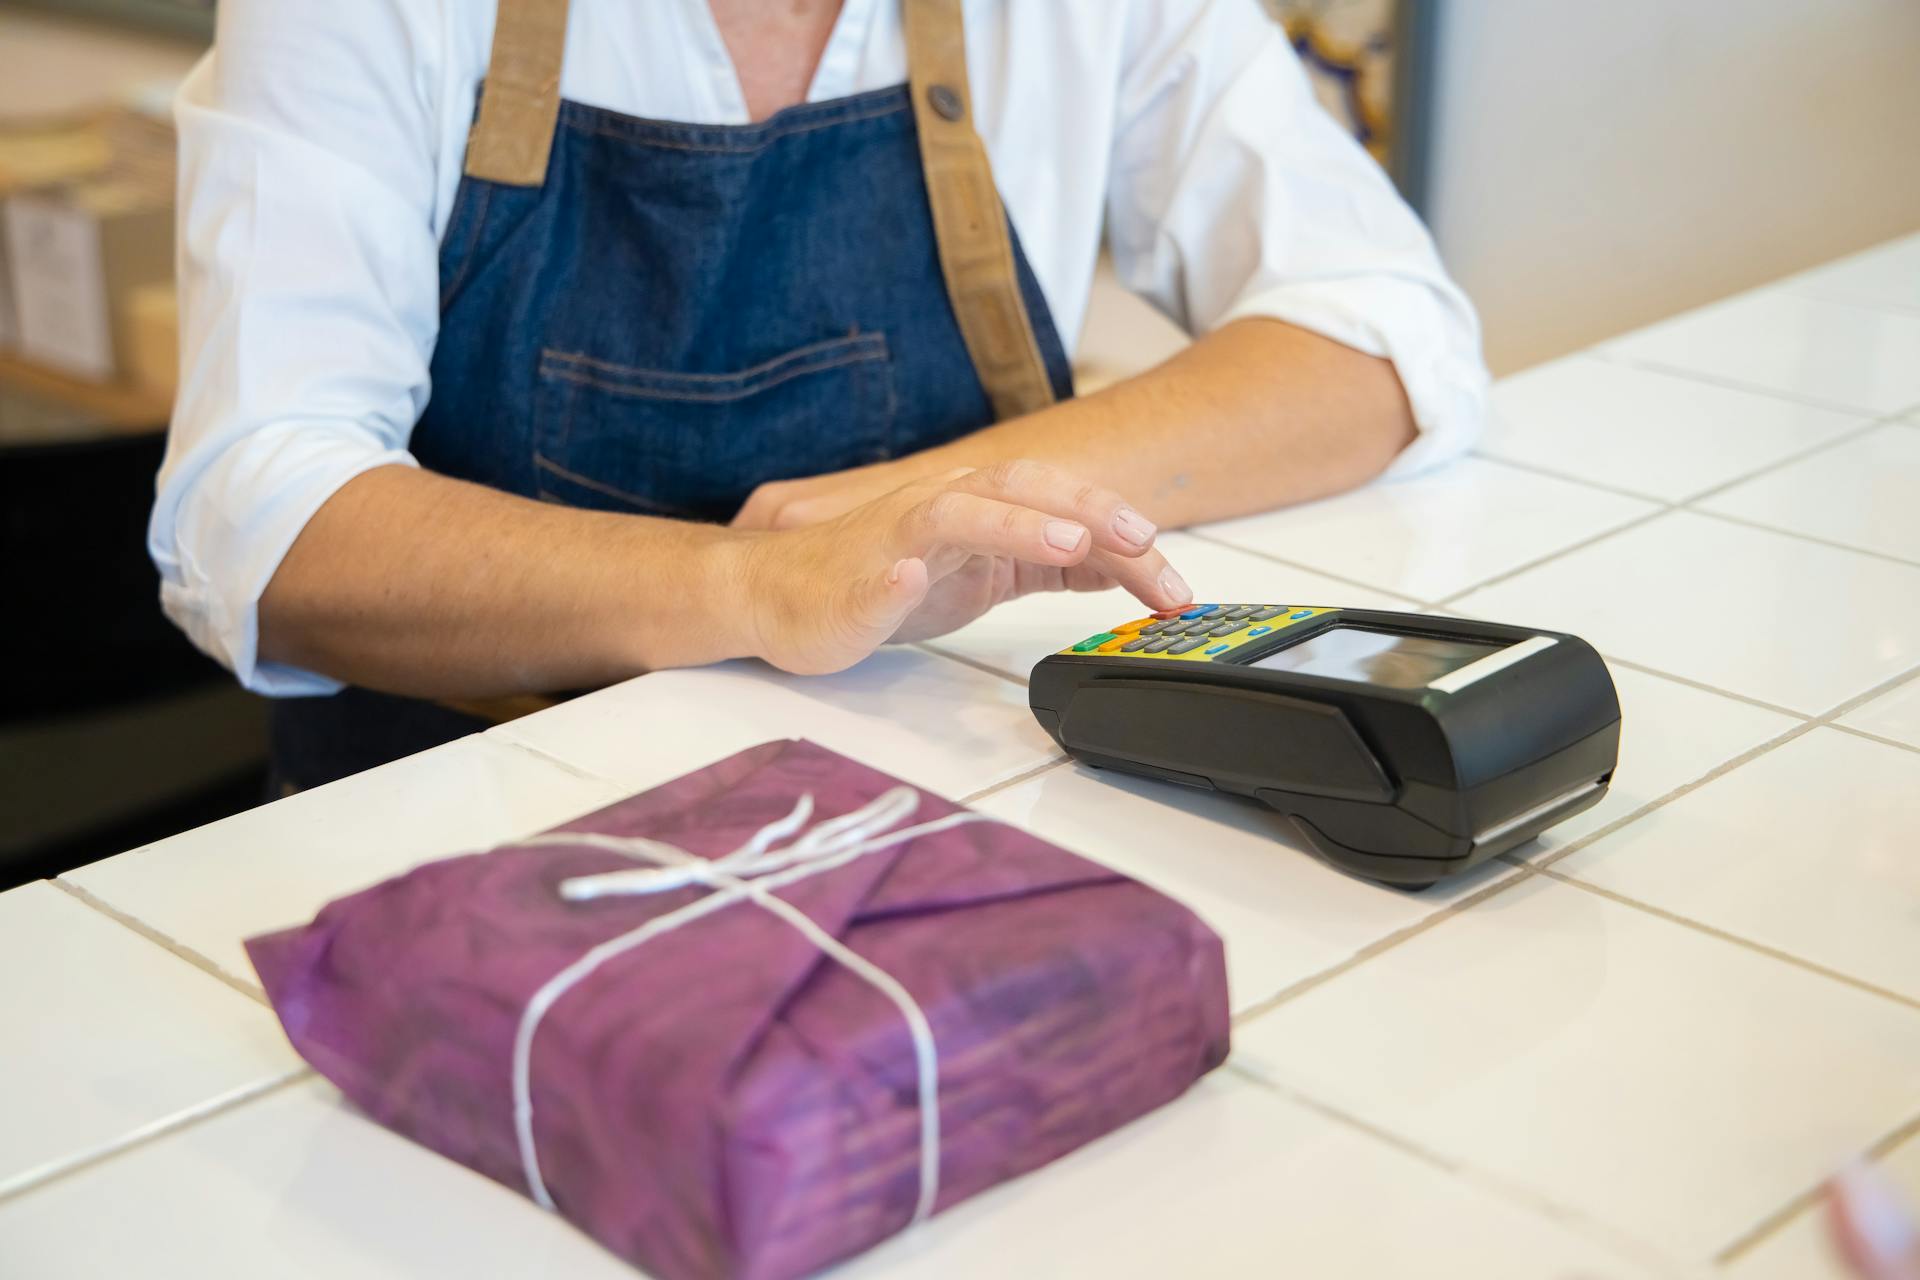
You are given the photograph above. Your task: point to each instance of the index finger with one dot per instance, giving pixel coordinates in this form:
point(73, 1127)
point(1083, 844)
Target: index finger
point(1115, 525)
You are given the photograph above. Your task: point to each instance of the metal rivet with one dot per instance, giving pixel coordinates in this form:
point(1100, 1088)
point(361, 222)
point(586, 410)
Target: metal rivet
point(945, 101)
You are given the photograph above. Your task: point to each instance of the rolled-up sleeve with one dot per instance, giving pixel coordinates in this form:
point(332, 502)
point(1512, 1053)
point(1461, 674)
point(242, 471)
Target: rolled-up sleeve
point(1234, 194)
point(307, 269)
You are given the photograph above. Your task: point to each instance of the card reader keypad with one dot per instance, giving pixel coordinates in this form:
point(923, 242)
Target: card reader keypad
point(1196, 632)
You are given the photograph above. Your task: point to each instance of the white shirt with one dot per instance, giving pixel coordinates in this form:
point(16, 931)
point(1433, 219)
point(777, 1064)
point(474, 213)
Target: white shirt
point(321, 145)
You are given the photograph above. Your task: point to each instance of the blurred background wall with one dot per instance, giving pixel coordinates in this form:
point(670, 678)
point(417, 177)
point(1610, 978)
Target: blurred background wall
point(51, 63)
point(1594, 167)
point(1581, 158)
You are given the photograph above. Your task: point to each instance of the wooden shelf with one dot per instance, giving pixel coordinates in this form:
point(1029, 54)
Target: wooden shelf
point(116, 408)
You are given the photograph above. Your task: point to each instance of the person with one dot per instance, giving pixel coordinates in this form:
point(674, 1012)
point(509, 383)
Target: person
point(719, 329)
point(1870, 1226)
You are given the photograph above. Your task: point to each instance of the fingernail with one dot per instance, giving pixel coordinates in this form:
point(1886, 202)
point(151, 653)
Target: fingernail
point(1881, 1221)
point(1064, 534)
point(1133, 527)
point(1175, 585)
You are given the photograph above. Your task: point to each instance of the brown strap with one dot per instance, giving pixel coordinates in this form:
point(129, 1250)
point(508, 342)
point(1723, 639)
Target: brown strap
point(520, 105)
point(513, 136)
point(976, 256)
point(520, 102)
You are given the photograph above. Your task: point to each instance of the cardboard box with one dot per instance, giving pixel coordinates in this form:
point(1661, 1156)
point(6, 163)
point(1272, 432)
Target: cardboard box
point(85, 221)
point(76, 255)
point(44, 153)
point(152, 348)
point(37, 154)
point(9, 318)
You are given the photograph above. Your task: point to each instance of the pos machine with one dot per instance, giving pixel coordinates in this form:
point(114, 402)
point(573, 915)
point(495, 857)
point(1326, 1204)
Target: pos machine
point(1405, 747)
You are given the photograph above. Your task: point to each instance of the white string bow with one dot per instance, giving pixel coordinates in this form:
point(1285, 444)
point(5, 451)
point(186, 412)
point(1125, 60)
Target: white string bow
point(832, 843)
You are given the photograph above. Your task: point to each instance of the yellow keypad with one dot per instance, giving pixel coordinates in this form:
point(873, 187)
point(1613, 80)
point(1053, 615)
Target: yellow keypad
point(1198, 633)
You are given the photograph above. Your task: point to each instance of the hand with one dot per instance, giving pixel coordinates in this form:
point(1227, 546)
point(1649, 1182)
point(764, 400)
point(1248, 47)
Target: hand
point(935, 554)
point(1871, 1229)
point(792, 504)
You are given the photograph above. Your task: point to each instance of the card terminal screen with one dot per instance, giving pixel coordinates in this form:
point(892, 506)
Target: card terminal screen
point(1377, 657)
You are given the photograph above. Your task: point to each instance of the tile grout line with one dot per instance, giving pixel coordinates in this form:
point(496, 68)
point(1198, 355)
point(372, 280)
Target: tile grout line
point(1719, 380)
point(1522, 871)
point(1874, 737)
point(1885, 1145)
point(1878, 307)
point(1713, 931)
point(1196, 532)
point(179, 949)
point(1631, 664)
point(1380, 946)
point(1844, 437)
point(1869, 422)
point(514, 742)
point(1611, 659)
point(1807, 725)
point(1544, 866)
point(1007, 784)
point(930, 646)
point(35, 1179)
point(1534, 468)
point(1525, 868)
point(1658, 511)
point(1660, 802)
point(1855, 549)
point(41, 1176)
point(1513, 1191)
point(1525, 871)
point(1665, 506)
point(1839, 438)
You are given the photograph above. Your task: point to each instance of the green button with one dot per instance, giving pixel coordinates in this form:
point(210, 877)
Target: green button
point(1094, 642)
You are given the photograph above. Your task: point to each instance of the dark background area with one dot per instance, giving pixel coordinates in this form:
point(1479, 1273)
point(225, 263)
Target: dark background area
point(114, 730)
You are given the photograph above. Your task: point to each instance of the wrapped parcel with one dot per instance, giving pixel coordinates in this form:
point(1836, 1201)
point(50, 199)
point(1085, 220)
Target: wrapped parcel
point(757, 1019)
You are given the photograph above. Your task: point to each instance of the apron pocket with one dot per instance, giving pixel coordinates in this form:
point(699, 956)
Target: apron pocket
point(618, 438)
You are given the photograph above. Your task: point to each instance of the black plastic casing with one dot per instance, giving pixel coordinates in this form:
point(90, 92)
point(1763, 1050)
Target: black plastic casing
point(1405, 786)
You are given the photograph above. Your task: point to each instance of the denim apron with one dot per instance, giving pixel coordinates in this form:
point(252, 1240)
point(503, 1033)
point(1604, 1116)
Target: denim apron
point(678, 314)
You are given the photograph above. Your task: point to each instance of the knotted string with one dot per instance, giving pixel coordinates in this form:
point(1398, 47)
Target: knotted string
point(833, 843)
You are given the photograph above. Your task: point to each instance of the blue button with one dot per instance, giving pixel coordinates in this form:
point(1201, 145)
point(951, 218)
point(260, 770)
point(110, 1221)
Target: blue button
point(1259, 631)
point(1304, 613)
point(1219, 648)
point(1200, 611)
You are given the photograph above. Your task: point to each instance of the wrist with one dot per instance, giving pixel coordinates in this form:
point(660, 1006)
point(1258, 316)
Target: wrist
point(735, 600)
point(686, 599)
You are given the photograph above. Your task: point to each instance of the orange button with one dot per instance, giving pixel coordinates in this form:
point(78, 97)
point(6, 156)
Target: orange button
point(1128, 628)
point(1113, 644)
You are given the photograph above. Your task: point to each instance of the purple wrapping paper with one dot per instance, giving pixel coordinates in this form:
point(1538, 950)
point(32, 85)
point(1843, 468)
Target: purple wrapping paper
point(724, 1100)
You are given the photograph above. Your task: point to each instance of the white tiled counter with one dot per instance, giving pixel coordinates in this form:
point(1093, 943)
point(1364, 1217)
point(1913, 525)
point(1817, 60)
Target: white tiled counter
point(1633, 1048)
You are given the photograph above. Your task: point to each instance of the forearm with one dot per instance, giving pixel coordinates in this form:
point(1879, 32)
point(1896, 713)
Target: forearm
point(411, 582)
point(1255, 415)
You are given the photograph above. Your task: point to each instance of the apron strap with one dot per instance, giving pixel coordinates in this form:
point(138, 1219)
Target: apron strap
point(520, 106)
point(513, 136)
point(976, 256)
point(520, 102)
